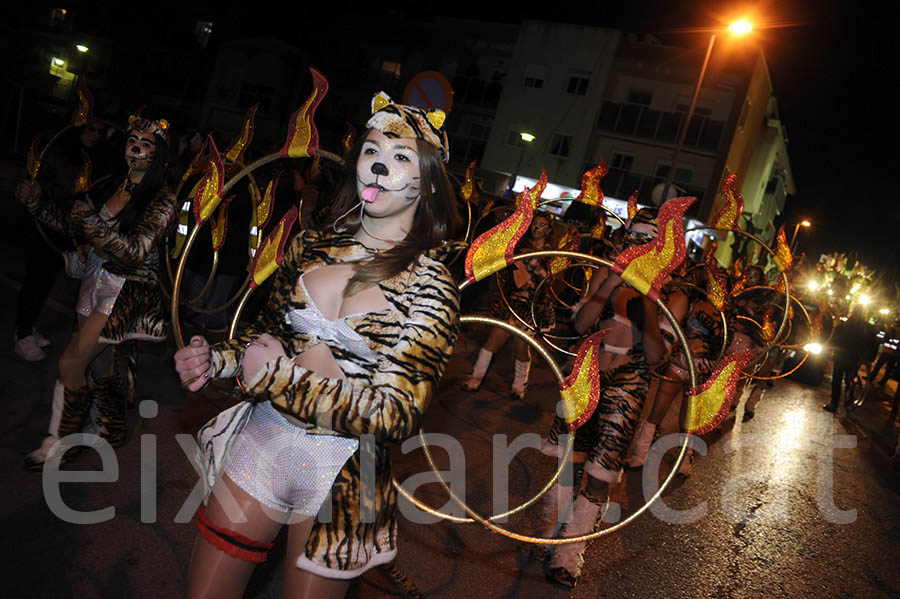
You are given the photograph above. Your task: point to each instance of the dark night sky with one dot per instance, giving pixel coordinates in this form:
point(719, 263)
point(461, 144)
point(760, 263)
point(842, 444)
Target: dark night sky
point(832, 64)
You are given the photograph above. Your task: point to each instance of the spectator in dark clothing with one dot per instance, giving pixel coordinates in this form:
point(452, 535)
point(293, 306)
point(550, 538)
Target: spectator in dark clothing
point(853, 341)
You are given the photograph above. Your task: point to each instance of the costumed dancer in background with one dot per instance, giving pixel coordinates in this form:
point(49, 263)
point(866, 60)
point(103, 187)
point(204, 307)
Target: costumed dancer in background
point(60, 168)
point(703, 331)
point(753, 307)
point(119, 229)
point(519, 288)
point(352, 343)
point(632, 344)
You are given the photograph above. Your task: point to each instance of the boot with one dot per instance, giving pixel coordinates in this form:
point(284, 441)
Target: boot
point(109, 397)
point(68, 411)
point(480, 369)
point(551, 518)
point(520, 382)
point(565, 565)
point(641, 446)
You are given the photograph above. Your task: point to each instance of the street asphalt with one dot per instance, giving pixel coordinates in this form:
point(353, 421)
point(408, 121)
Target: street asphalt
point(765, 519)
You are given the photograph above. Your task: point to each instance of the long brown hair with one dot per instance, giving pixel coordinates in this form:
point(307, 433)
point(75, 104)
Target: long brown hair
point(435, 218)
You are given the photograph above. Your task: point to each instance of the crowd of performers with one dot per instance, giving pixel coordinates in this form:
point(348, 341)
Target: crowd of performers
point(351, 343)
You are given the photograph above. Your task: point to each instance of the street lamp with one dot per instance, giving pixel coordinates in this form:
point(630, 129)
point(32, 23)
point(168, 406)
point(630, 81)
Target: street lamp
point(527, 138)
point(741, 27)
point(81, 48)
point(804, 223)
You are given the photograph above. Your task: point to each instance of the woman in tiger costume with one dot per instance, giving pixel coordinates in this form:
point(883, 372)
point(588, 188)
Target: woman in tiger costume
point(344, 358)
point(118, 229)
point(633, 343)
point(519, 288)
point(704, 334)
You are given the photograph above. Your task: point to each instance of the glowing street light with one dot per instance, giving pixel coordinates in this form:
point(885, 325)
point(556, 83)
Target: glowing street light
point(884, 311)
point(804, 223)
point(81, 48)
point(527, 138)
point(813, 285)
point(738, 28)
point(864, 300)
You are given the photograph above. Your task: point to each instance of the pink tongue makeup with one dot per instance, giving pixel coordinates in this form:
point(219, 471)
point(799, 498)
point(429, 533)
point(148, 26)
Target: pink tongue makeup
point(368, 194)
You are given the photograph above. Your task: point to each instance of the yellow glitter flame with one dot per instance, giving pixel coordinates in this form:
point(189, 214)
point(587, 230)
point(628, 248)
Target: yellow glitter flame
point(580, 391)
point(303, 139)
point(220, 225)
point(270, 255)
point(714, 288)
point(727, 217)
point(235, 152)
point(591, 193)
point(32, 163)
point(704, 407)
point(468, 187)
point(783, 258)
point(569, 241)
point(196, 165)
point(83, 111)
point(83, 180)
point(641, 271)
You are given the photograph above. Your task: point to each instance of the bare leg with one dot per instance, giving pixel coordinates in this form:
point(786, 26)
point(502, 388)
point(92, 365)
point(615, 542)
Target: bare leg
point(82, 348)
point(302, 584)
point(496, 340)
point(215, 574)
point(666, 393)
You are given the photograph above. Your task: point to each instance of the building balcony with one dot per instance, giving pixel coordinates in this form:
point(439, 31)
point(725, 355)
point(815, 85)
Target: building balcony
point(620, 184)
point(637, 120)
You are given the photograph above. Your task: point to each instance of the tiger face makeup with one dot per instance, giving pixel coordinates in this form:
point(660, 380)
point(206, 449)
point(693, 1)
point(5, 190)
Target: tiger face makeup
point(140, 150)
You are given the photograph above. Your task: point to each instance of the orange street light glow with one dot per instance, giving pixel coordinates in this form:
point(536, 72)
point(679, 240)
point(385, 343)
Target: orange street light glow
point(740, 27)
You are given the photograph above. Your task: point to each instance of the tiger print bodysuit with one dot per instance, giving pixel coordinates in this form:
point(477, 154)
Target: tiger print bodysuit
point(383, 398)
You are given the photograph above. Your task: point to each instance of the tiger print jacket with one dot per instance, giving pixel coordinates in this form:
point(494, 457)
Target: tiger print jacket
point(379, 402)
point(138, 311)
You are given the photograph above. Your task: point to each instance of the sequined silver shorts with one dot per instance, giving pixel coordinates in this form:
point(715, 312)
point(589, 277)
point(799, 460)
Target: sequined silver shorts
point(282, 466)
point(99, 288)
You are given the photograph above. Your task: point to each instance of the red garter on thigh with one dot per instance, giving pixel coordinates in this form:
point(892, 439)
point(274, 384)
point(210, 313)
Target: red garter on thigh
point(232, 543)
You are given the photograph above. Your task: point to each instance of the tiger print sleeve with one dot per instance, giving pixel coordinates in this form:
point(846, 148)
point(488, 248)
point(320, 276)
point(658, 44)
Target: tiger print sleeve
point(131, 249)
point(226, 357)
point(44, 211)
point(392, 404)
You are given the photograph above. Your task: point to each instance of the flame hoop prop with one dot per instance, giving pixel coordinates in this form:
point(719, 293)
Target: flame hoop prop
point(775, 258)
point(488, 522)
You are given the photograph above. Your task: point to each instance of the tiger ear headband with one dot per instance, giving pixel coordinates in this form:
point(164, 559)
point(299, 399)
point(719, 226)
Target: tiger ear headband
point(409, 122)
point(159, 127)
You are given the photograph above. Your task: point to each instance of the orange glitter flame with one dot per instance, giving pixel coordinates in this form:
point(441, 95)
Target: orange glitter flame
point(209, 191)
point(487, 207)
point(32, 162)
point(646, 266)
point(264, 208)
point(727, 217)
point(494, 248)
point(738, 269)
point(768, 327)
point(783, 258)
point(599, 228)
point(468, 188)
point(271, 253)
point(219, 225)
point(255, 237)
point(303, 138)
point(591, 193)
point(570, 241)
point(632, 205)
point(709, 404)
point(348, 139)
point(85, 108)
point(580, 390)
point(235, 152)
point(715, 286)
point(83, 180)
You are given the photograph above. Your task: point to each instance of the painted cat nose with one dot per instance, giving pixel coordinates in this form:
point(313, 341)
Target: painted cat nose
point(379, 169)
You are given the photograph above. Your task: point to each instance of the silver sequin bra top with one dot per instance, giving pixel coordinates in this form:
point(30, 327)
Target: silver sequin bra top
point(310, 321)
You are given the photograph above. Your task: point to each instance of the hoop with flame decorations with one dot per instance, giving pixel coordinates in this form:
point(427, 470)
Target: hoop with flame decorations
point(646, 266)
point(494, 249)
